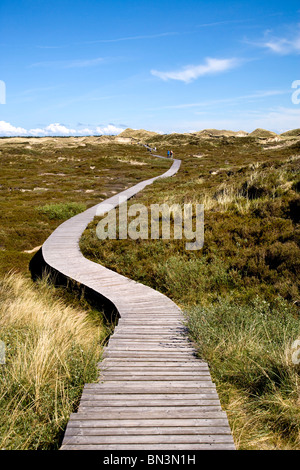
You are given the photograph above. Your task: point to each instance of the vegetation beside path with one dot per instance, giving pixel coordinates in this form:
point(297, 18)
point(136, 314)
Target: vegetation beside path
point(240, 293)
point(53, 338)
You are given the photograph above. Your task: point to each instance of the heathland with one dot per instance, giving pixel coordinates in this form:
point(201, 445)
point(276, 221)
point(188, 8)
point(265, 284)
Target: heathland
point(53, 338)
point(239, 293)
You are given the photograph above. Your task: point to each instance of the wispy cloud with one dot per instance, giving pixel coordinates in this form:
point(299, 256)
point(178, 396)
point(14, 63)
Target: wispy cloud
point(68, 64)
point(111, 40)
point(279, 45)
point(131, 38)
point(220, 23)
point(283, 46)
point(190, 73)
point(236, 99)
point(52, 47)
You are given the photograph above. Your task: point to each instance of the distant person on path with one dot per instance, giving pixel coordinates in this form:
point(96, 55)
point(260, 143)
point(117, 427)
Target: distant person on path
point(171, 153)
point(168, 153)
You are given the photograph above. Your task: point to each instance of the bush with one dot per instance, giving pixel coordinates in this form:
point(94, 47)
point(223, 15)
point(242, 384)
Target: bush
point(294, 207)
point(61, 211)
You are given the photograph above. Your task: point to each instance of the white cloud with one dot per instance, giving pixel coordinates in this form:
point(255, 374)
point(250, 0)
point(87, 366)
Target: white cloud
point(280, 45)
point(192, 72)
point(283, 46)
point(86, 131)
point(7, 130)
point(56, 129)
point(109, 130)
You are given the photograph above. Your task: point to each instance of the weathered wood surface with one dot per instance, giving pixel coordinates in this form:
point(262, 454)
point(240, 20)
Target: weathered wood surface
point(153, 392)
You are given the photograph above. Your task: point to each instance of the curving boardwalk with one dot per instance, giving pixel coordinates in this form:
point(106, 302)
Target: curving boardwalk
point(153, 392)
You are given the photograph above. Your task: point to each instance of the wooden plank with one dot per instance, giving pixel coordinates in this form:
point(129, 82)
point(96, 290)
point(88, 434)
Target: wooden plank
point(149, 348)
point(154, 412)
point(131, 447)
point(156, 383)
point(148, 408)
point(146, 373)
point(146, 388)
point(174, 355)
point(95, 401)
point(154, 328)
point(151, 439)
point(97, 421)
point(200, 395)
point(109, 378)
point(190, 430)
point(148, 370)
point(137, 338)
point(123, 362)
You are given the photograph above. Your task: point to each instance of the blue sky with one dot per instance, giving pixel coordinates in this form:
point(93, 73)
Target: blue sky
point(97, 67)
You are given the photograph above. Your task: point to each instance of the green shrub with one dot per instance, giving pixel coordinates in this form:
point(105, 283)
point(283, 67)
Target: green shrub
point(61, 211)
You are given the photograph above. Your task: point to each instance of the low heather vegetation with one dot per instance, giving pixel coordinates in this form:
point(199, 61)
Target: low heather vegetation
point(240, 292)
point(53, 338)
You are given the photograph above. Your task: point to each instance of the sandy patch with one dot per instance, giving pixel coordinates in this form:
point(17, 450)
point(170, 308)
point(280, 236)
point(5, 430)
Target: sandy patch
point(132, 162)
point(280, 145)
point(52, 174)
point(36, 248)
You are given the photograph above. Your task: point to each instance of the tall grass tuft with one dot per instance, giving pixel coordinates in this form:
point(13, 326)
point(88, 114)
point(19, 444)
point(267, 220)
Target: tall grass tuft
point(249, 349)
point(51, 352)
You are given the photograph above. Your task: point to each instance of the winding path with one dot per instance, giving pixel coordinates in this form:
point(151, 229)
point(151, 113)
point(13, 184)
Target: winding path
point(153, 392)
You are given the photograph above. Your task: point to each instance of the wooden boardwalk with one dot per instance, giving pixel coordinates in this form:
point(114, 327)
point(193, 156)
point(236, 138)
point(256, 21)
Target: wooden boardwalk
point(153, 393)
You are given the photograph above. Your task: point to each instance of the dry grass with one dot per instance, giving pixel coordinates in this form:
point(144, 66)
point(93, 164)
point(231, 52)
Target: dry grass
point(249, 349)
point(51, 351)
